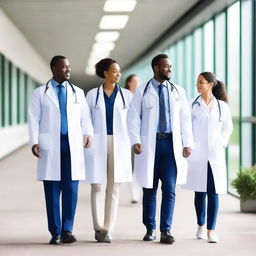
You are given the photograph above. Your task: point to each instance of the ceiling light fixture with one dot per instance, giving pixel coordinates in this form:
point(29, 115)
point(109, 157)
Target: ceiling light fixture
point(107, 36)
point(103, 46)
point(119, 5)
point(113, 21)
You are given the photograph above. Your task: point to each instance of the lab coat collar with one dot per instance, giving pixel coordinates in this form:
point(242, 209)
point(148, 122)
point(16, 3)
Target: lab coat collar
point(156, 83)
point(51, 94)
point(55, 83)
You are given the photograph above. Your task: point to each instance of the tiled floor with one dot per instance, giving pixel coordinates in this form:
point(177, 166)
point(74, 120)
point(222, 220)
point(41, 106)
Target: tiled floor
point(24, 227)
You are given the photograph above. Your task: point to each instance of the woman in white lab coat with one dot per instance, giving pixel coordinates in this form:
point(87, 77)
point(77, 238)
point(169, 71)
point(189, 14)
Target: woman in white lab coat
point(212, 126)
point(109, 158)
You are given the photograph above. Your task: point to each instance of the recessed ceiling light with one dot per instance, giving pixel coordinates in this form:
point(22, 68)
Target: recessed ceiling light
point(113, 21)
point(103, 46)
point(99, 54)
point(90, 70)
point(119, 5)
point(96, 56)
point(107, 36)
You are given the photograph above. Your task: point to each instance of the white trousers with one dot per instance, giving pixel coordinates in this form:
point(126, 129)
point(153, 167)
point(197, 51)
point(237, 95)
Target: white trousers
point(105, 198)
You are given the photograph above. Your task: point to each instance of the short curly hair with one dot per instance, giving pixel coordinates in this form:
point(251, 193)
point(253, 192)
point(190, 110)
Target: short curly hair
point(55, 59)
point(102, 66)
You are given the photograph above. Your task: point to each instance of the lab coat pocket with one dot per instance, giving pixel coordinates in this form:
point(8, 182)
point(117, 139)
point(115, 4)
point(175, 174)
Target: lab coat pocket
point(94, 146)
point(76, 110)
point(196, 154)
point(142, 157)
point(44, 141)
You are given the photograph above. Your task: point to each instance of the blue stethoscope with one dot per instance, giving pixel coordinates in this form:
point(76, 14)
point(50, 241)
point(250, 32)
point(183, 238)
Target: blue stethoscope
point(72, 87)
point(196, 102)
point(96, 106)
point(173, 87)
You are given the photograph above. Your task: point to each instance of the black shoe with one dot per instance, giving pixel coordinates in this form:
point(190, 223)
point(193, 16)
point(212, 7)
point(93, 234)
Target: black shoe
point(100, 235)
point(67, 237)
point(56, 240)
point(166, 237)
point(150, 235)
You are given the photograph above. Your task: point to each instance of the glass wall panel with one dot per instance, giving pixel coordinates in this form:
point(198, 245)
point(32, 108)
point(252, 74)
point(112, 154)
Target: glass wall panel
point(180, 67)
point(21, 105)
point(208, 46)
point(6, 99)
point(189, 76)
point(1, 91)
point(174, 62)
point(220, 47)
point(14, 83)
point(233, 84)
point(198, 55)
point(246, 81)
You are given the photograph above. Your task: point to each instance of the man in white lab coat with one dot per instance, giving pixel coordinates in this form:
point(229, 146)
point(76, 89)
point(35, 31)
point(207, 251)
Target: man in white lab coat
point(59, 128)
point(161, 134)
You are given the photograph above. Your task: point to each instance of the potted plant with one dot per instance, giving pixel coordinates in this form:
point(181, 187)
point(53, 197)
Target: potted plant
point(245, 184)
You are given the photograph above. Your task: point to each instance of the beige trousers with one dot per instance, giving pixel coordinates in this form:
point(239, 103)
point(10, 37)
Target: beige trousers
point(104, 198)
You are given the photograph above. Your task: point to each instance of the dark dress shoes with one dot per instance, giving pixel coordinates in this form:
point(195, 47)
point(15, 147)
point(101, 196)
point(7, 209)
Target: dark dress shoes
point(100, 235)
point(67, 237)
point(150, 235)
point(56, 240)
point(166, 237)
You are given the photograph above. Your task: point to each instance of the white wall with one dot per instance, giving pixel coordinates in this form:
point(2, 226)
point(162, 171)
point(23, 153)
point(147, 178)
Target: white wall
point(16, 48)
point(12, 138)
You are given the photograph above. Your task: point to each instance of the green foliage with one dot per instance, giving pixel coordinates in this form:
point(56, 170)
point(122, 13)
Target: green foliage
point(245, 183)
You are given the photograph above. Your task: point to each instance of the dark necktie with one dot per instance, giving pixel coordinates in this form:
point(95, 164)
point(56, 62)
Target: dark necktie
point(162, 115)
point(63, 112)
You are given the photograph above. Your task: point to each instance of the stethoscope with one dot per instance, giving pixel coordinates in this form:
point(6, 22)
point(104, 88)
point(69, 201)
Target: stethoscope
point(196, 102)
point(96, 106)
point(72, 87)
point(173, 87)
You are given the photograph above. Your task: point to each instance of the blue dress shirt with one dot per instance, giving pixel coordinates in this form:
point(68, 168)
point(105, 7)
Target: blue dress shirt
point(55, 87)
point(167, 103)
point(109, 105)
point(62, 98)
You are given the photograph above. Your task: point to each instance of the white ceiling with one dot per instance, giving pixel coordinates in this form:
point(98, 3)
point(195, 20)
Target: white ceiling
point(68, 27)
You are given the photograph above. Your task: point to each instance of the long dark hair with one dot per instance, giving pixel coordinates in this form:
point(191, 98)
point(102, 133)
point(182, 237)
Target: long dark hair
point(218, 89)
point(128, 80)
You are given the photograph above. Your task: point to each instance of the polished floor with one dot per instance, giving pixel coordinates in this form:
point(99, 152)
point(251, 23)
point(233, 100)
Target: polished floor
point(24, 229)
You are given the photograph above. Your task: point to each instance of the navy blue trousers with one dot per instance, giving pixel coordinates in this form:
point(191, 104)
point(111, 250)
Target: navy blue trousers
point(67, 190)
point(165, 169)
point(212, 206)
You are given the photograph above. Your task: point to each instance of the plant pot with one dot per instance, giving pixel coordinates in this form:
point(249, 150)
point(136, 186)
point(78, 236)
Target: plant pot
point(248, 205)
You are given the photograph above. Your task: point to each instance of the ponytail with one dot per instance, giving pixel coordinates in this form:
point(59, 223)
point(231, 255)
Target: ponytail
point(219, 91)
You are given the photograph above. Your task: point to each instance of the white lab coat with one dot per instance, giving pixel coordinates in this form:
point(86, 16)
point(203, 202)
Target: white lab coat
point(44, 129)
point(211, 136)
point(96, 155)
point(142, 123)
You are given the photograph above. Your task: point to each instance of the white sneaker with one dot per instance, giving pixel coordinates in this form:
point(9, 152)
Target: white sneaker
point(212, 237)
point(108, 239)
point(200, 233)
